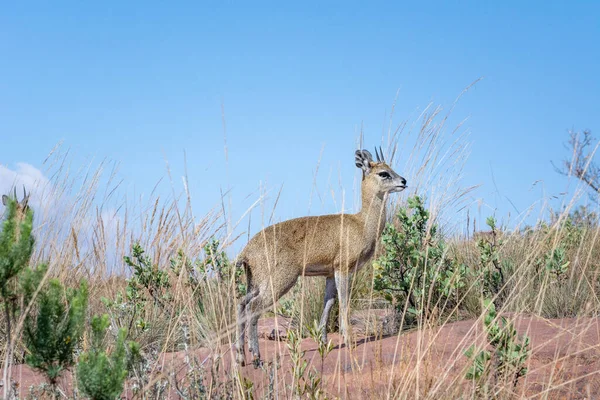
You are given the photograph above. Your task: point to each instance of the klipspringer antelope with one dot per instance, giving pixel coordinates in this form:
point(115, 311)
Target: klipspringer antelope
point(334, 246)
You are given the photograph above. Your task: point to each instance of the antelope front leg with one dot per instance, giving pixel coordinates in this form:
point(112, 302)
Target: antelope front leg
point(342, 281)
point(330, 292)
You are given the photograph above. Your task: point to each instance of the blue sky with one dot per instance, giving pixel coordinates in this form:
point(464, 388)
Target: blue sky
point(140, 82)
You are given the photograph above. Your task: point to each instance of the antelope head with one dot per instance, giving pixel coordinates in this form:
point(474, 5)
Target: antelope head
point(22, 206)
point(378, 176)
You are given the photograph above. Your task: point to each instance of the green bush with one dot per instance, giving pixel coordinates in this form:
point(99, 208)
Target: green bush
point(506, 361)
point(149, 282)
point(101, 375)
point(54, 330)
point(148, 285)
point(416, 273)
point(557, 264)
point(306, 382)
point(494, 269)
point(16, 246)
point(227, 272)
point(54, 326)
point(148, 299)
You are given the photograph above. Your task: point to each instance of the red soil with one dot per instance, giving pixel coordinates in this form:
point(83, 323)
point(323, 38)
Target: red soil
point(565, 362)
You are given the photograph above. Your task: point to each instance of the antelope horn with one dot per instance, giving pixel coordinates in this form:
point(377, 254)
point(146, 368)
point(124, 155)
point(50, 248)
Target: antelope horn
point(377, 155)
point(381, 152)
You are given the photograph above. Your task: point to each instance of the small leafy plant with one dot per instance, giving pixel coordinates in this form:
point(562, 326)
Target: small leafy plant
point(149, 282)
point(305, 383)
point(494, 268)
point(100, 375)
point(148, 285)
point(316, 333)
point(416, 270)
point(16, 246)
point(505, 363)
point(54, 330)
point(557, 264)
point(216, 260)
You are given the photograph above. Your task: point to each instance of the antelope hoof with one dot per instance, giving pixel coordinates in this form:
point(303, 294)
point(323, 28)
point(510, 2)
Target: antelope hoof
point(257, 362)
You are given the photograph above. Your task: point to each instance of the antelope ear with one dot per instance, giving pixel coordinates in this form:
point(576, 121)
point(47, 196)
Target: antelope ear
point(4, 200)
point(363, 160)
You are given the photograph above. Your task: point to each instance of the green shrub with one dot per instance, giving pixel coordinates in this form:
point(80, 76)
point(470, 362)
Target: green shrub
point(101, 375)
point(305, 382)
point(148, 285)
point(416, 273)
point(148, 300)
point(556, 264)
point(55, 327)
point(506, 361)
point(16, 246)
point(149, 282)
point(227, 272)
point(494, 269)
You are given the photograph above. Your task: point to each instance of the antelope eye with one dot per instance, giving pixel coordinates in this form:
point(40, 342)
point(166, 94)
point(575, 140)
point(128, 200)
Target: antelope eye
point(384, 175)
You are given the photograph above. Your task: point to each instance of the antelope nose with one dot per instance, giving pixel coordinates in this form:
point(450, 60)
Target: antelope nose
point(403, 181)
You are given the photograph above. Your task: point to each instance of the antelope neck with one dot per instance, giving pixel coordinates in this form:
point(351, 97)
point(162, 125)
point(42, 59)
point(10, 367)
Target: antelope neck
point(373, 211)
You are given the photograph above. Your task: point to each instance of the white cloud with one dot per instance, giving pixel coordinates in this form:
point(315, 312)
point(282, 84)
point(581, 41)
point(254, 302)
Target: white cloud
point(78, 228)
point(25, 175)
point(65, 228)
point(43, 197)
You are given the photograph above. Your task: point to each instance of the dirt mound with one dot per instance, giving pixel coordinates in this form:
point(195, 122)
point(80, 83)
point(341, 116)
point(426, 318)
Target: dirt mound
point(564, 363)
